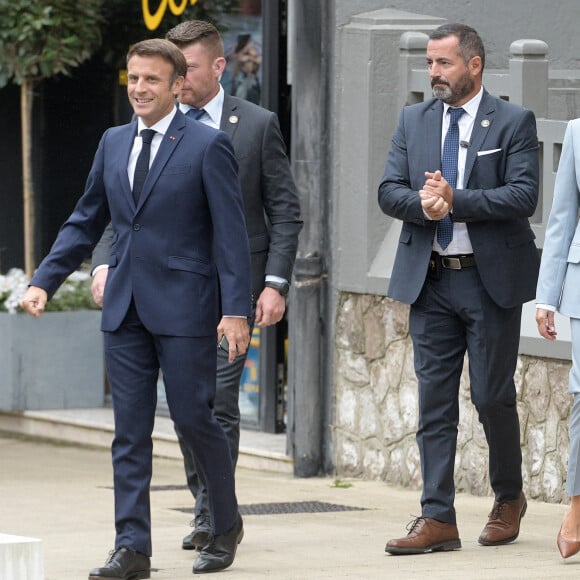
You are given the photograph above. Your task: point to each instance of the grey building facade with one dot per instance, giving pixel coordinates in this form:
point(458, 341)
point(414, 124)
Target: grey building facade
point(353, 65)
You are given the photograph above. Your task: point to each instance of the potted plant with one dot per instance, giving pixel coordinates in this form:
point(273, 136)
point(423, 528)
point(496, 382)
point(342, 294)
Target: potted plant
point(55, 361)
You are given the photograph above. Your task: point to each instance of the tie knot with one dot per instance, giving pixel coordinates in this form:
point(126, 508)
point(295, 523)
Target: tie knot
point(195, 113)
point(455, 114)
point(147, 135)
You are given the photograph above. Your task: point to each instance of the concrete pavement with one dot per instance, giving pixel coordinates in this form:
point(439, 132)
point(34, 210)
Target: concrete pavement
point(62, 494)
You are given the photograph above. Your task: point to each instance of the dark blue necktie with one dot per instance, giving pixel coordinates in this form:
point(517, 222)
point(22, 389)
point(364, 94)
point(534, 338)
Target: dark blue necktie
point(196, 114)
point(449, 172)
point(142, 165)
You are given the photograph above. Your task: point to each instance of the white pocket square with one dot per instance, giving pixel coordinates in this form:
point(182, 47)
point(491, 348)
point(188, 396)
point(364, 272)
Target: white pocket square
point(489, 152)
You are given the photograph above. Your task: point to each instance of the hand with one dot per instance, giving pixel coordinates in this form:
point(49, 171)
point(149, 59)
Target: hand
point(433, 205)
point(237, 331)
point(98, 285)
point(545, 321)
point(270, 307)
point(436, 184)
point(34, 301)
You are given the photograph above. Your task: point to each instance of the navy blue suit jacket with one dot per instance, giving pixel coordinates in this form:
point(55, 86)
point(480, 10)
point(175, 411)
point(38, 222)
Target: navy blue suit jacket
point(271, 204)
point(188, 222)
point(500, 194)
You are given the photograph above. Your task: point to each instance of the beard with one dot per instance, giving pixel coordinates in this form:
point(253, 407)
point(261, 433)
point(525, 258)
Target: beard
point(443, 90)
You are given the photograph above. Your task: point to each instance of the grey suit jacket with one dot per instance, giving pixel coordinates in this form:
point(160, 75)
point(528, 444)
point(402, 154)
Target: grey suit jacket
point(271, 204)
point(500, 194)
point(559, 278)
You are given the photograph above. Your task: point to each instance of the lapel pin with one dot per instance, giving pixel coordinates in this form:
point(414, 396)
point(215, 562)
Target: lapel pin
point(485, 123)
point(171, 137)
point(233, 119)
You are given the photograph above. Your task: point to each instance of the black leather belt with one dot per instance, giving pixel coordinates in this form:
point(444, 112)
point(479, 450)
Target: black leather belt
point(450, 262)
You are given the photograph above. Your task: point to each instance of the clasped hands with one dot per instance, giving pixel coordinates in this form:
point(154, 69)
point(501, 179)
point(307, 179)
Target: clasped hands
point(436, 195)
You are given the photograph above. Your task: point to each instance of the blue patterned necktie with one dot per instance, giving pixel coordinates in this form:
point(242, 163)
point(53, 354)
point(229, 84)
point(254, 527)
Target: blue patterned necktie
point(196, 114)
point(449, 172)
point(142, 165)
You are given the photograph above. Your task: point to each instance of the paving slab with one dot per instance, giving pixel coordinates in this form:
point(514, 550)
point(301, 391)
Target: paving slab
point(62, 494)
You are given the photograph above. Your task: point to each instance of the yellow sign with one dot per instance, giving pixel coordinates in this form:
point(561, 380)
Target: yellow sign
point(152, 21)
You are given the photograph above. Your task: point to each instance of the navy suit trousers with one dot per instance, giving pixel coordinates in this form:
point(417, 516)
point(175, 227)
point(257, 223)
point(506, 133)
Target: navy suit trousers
point(227, 413)
point(451, 316)
point(133, 358)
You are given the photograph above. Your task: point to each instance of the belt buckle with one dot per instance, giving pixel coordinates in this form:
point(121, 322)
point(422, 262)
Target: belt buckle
point(451, 263)
point(434, 269)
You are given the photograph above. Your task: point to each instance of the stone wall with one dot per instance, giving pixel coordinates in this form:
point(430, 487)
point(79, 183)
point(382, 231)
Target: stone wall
point(376, 407)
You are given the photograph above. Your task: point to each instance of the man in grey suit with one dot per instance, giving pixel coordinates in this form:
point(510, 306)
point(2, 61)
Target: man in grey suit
point(272, 211)
point(466, 262)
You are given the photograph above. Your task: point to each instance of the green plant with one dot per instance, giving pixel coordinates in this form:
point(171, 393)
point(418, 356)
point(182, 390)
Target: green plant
point(39, 40)
point(340, 483)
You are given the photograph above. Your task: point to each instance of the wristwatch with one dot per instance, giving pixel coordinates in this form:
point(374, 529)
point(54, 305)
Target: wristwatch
point(282, 287)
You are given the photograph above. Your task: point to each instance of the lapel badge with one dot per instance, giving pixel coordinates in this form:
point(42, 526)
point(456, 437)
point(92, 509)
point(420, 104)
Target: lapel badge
point(233, 119)
point(485, 123)
point(171, 138)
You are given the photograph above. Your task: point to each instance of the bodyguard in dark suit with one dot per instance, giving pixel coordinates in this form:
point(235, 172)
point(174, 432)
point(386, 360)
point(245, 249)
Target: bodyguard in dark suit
point(465, 283)
point(272, 214)
point(160, 308)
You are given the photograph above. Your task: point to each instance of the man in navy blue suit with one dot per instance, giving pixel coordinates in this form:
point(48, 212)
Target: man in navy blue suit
point(161, 303)
point(272, 211)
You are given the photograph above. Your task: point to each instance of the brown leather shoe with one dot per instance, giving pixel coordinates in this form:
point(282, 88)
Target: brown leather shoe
point(426, 535)
point(503, 525)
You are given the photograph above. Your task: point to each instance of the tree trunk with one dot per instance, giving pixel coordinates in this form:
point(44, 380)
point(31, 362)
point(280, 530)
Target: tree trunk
point(26, 101)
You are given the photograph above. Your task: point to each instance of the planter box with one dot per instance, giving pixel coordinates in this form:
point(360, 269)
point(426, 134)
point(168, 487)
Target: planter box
point(51, 362)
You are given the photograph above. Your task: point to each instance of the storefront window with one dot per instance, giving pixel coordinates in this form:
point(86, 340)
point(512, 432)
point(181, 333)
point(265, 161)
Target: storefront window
point(242, 34)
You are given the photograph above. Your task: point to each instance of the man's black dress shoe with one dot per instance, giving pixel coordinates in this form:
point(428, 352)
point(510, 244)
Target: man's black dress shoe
point(196, 539)
point(123, 564)
point(220, 551)
point(199, 536)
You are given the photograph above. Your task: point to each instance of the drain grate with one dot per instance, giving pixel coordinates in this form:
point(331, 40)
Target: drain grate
point(263, 509)
point(297, 507)
point(154, 487)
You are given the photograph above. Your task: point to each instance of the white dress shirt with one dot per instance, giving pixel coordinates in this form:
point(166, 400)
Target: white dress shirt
point(161, 128)
point(213, 110)
point(460, 244)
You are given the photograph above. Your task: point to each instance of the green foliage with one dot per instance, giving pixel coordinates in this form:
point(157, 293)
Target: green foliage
point(43, 38)
point(340, 483)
